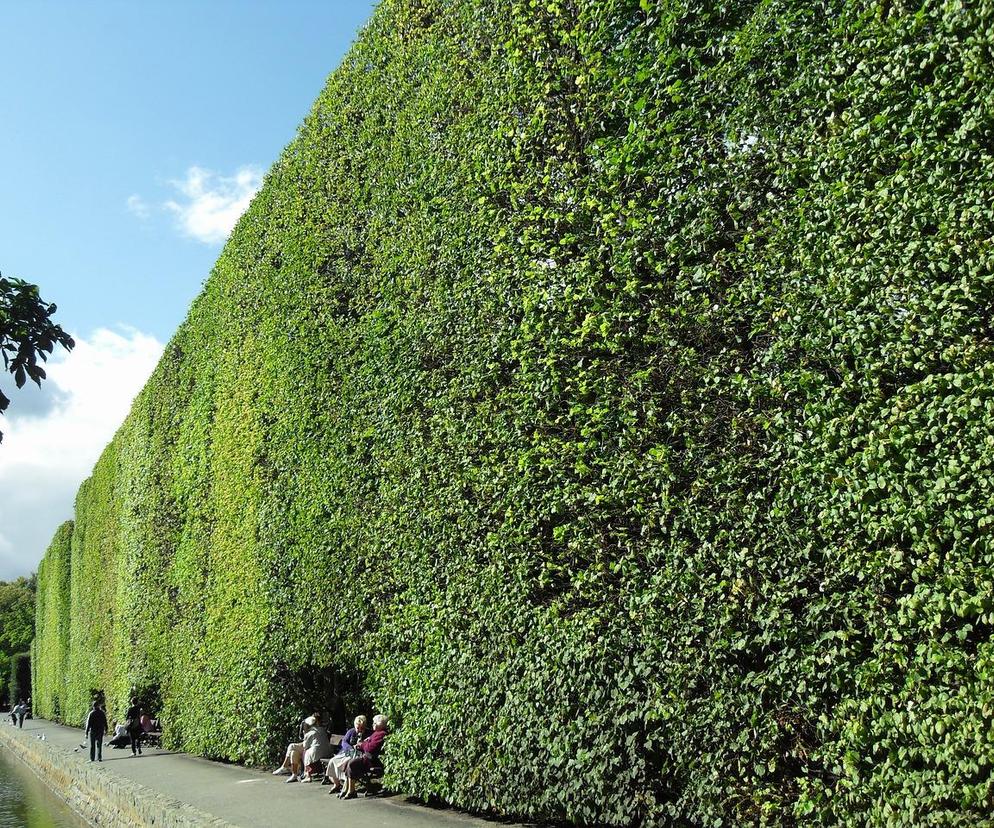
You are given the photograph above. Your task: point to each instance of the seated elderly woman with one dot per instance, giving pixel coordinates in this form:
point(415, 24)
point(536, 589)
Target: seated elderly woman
point(315, 744)
point(349, 749)
point(121, 738)
point(369, 752)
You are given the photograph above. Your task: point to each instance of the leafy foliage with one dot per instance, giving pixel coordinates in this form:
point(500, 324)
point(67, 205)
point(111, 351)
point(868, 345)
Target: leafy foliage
point(27, 333)
point(605, 390)
point(50, 652)
point(17, 617)
point(19, 686)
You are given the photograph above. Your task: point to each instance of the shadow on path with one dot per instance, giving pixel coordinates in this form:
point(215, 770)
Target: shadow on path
point(250, 797)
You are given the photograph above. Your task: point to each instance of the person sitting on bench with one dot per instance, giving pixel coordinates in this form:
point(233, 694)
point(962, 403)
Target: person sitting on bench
point(121, 738)
point(317, 746)
point(293, 761)
point(362, 764)
point(335, 772)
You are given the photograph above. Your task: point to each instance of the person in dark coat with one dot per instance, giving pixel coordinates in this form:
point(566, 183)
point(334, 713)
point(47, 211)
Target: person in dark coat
point(96, 727)
point(133, 717)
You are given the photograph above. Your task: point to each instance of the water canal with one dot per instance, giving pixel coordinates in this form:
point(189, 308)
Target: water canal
point(25, 802)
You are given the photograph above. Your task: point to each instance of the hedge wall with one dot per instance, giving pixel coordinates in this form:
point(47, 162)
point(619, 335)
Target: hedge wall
point(50, 649)
point(604, 391)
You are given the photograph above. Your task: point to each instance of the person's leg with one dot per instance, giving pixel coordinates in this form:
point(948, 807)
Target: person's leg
point(100, 748)
point(351, 771)
point(134, 743)
point(334, 771)
point(288, 758)
point(20, 721)
point(348, 789)
point(93, 746)
point(296, 757)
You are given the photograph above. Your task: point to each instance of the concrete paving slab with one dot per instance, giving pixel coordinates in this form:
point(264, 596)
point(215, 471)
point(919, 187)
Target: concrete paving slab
point(247, 797)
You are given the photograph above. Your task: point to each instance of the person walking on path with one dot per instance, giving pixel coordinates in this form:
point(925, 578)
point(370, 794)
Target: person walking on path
point(96, 727)
point(21, 711)
point(133, 723)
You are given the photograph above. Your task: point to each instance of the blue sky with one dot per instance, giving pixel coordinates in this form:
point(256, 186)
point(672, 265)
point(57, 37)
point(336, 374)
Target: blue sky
point(102, 101)
point(131, 135)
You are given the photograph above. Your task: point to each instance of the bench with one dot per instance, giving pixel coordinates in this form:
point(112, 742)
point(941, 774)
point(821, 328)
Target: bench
point(372, 783)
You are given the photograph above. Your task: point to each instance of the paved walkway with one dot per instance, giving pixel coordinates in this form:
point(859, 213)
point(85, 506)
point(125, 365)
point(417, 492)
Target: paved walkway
point(248, 797)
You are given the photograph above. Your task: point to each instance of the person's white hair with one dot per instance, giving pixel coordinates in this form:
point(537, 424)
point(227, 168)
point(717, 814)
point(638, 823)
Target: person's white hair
point(359, 720)
point(379, 720)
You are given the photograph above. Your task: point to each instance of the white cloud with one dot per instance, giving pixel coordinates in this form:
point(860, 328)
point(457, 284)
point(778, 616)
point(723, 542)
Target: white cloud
point(138, 206)
point(211, 204)
point(48, 451)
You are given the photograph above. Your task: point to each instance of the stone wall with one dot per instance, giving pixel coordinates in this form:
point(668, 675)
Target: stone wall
point(99, 797)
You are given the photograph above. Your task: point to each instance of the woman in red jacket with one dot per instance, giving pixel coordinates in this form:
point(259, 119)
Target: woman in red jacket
point(370, 748)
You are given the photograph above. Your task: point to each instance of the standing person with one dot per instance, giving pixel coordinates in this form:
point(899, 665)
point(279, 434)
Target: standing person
point(133, 723)
point(22, 710)
point(14, 712)
point(96, 727)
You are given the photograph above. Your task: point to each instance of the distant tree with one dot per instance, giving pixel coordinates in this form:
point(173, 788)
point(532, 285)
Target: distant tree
point(19, 684)
point(17, 624)
point(27, 333)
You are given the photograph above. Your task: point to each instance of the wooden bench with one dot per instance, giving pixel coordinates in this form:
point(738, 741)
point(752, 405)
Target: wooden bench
point(372, 782)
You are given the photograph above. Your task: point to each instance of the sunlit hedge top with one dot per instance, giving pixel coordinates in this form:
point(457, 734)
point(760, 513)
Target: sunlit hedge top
point(604, 391)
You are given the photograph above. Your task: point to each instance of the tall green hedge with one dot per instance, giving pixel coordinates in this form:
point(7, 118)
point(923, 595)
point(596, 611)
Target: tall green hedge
point(604, 391)
point(50, 650)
